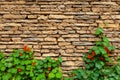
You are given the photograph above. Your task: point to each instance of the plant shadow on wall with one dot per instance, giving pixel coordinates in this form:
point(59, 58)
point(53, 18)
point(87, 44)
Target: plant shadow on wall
point(21, 65)
point(96, 60)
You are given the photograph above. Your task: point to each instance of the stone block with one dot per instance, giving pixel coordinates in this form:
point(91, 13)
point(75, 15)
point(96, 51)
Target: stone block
point(60, 17)
point(32, 39)
point(32, 16)
point(11, 16)
point(50, 39)
point(50, 46)
point(109, 25)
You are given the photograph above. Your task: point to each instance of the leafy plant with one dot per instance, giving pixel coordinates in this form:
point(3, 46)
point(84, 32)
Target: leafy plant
point(48, 69)
point(95, 62)
point(18, 66)
point(21, 65)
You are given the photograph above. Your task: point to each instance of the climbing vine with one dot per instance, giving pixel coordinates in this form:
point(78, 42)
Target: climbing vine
point(96, 59)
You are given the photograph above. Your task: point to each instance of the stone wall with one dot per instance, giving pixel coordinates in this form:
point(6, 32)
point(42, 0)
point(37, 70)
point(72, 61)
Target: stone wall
point(58, 27)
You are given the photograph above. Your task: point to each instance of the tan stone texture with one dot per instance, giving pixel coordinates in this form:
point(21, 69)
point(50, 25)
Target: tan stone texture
point(58, 27)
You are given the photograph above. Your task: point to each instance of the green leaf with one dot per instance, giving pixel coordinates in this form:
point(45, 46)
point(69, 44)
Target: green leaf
point(22, 67)
point(7, 76)
point(18, 77)
point(41, 77)
point(60, 59)
point(111, 48)
point(9, 59)
point(49, 64)
point(12, 70)
point(51, 75)
point(54, 65)
point(45, 65)
point(98, 65)
point(98, 43)
point(54, 70)
point(27, 62)
point(105, 39)
point(99, 31)
point(48, 58)
point(16, 54)
point(59, 75)
point(17, 61)
point(1, 55)
point(101, 49)
point(9, 65)
point(31, 74)
point(28, 67)
point(3, 68)
point(40, 70)
point(40, 62)
point(96, 49)
point(105, 43)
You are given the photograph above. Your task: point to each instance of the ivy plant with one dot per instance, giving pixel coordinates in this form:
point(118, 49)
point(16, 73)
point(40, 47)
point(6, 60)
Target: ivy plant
point(21, 65)
point(48, 69)
point(96, 59)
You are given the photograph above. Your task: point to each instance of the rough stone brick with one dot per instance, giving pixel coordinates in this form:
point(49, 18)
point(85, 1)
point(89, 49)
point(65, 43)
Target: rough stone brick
point(32, 16)
point(71, 35)
point(63, 43)
point(11, 16)
point(69, 51)
point(32, 39)
point(72, 58)
point(115, 16)
point(11, 24)
point(103, 3)
point(50, 46)
point(72, 39)
point(48, 43)
point(49, 32)
point(50, 39)
point(50, 54)
point(81, 24)
point(14, 46)
point(82, 43)
point(72, 63)
point(61, 39)
point(44, 50)
point(3, 47)
point(109, 25)
point(16, 39)
point(60, 16)
point(106, 17)
point(42, 17)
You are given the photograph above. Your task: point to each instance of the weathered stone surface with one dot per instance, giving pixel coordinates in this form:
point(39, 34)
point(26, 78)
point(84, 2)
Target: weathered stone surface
point(32, 39)
point(72, 63)
point(50, 39)
point(11, 16)
point(32, 16)
point(61, 39)
point(115, 16)
point(58, 27)
point(71, 35)
point(3, 47)
point(50, 46)
point(109, 25)
point(11, 24)
point(60, 16)
point(83, 43)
